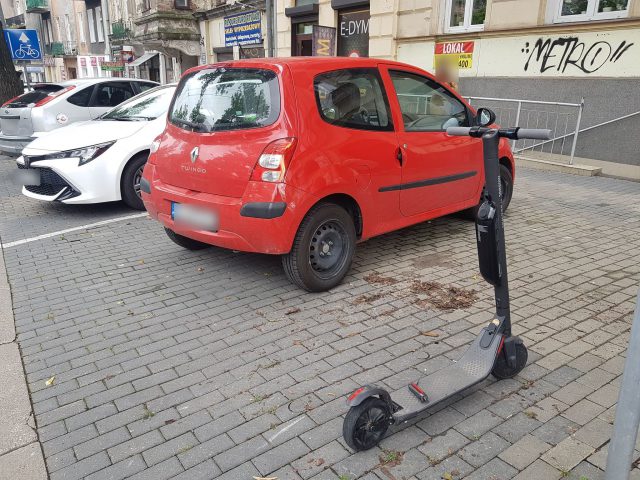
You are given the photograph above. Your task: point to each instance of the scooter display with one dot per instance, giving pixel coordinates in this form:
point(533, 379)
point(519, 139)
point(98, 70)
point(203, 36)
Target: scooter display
point(495, 350)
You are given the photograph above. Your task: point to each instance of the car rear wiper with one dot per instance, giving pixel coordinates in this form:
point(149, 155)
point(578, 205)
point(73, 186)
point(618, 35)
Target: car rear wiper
point(193, 125)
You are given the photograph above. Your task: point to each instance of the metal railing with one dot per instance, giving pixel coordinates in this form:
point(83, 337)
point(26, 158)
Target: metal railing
point(563, 119)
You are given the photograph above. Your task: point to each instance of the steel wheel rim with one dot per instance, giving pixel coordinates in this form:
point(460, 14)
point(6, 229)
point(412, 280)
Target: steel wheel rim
point(328, 249)
point(137, 177)
point(370, 427)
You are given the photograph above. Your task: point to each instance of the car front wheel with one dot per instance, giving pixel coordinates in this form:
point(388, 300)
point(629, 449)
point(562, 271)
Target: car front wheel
point(130, 183)
point(506, 190)
point(322, 249)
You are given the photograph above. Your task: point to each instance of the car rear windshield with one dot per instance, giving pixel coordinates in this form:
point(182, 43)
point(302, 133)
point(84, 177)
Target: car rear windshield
point(38, 93)
point(217, 99)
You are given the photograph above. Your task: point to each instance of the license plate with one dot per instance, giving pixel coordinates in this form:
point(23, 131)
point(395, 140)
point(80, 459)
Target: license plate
point(194, 217)
point(27, 177)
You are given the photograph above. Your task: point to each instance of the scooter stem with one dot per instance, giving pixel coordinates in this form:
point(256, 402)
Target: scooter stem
point(493, 192)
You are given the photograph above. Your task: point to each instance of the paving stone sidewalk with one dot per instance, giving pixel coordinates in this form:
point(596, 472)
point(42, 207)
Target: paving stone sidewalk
point(176, 364)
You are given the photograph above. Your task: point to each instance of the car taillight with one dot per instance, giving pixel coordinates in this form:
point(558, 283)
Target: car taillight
point(272, 164)
point(11, 100)
point(53, 95)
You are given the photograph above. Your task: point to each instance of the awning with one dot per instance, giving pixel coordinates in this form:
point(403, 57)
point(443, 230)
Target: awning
point(144, 58)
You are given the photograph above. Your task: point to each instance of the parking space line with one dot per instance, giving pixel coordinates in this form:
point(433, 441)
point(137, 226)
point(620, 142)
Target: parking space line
point(74, 229)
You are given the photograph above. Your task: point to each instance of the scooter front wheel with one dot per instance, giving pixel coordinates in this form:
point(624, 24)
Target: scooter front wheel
point(502, 370)
point(365, 424)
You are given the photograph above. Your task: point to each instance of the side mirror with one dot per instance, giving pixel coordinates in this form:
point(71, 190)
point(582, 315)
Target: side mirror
point(485, 117)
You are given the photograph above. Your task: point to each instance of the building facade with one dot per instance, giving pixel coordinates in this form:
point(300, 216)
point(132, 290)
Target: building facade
point(546, 50)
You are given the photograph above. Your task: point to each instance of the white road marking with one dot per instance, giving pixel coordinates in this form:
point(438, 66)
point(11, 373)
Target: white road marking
point(291, 424)
point(74, 229)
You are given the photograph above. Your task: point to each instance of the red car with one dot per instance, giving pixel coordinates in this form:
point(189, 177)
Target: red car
point(306, 157)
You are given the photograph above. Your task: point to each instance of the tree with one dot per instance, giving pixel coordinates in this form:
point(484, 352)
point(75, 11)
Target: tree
point(10, 83)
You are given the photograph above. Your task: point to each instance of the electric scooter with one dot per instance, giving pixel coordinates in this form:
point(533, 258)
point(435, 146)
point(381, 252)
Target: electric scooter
point(494, 351)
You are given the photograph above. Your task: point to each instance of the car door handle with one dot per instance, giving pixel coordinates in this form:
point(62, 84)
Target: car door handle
point(399, 155)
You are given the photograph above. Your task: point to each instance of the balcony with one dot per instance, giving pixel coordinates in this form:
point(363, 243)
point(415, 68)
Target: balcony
point(121, 30)
point(61, 49)
point(37, 6)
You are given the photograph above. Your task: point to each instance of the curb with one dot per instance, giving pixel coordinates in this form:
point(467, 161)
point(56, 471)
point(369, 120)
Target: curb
point(20, 451)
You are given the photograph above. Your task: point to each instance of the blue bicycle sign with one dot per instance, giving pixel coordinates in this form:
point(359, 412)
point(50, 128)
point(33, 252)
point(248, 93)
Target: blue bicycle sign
point(23, 44)
point(26, 51)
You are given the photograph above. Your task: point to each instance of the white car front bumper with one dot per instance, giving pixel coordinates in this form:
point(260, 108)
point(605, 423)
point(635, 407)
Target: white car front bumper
point(64, 181)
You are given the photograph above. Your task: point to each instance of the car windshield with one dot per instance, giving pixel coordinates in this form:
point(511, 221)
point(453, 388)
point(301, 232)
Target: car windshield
point(146, 106)
point(38, 93)
point(215, 99)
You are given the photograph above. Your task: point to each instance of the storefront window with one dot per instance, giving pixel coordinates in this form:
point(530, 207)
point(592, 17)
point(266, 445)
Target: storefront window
point(584, 10)
point(464, 15)
point(299, 3)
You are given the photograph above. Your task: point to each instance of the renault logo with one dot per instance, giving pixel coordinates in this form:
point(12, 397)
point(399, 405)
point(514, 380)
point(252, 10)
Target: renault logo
point(194, 154)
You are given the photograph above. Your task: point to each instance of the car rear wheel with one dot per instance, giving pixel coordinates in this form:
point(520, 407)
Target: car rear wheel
point(130, 183)
point(322, 249)
point(185, 242)
point(506, 188)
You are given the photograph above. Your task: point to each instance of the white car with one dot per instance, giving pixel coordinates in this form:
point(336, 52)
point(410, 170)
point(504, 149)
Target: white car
point(53, 105)
point(100, 160)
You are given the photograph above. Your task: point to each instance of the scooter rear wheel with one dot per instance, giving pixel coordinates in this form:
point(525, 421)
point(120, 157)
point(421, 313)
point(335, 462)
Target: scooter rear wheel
point(365, 424)
point(502, 370)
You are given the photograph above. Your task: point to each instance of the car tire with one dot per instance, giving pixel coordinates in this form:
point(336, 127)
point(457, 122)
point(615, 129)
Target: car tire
point(185, 242)
point(322, 250)
point(130, 182)
point(507, 192)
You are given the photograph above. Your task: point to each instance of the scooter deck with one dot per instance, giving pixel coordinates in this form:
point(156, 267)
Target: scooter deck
point(474, 366)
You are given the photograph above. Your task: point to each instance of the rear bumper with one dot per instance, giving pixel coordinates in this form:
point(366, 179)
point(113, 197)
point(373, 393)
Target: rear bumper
point(13, 145)
point(263, 220)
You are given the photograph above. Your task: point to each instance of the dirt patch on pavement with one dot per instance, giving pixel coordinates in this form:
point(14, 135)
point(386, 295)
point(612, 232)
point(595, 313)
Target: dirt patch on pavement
point(368, 298)
point(442, 297)
point(434, 260)
point(376, 278)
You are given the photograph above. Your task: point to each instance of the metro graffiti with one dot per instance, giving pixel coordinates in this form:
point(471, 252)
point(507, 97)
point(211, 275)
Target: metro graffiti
point(569, 52)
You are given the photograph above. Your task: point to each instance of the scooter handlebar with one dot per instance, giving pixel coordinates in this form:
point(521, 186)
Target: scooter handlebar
point(458, 131)
point(534, 134)
point(512, 133)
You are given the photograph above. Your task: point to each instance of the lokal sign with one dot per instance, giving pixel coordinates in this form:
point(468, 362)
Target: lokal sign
point(353, 33)
point(243, 29)
point(323, 41)
point(460, 52)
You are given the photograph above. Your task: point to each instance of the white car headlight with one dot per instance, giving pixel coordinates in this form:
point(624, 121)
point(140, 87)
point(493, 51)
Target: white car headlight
point(84, 154)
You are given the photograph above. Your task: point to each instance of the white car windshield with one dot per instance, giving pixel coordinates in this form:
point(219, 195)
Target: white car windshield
point(146, 106)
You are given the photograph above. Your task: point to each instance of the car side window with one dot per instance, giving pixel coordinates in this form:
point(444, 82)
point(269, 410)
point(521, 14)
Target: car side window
point(81, 98)
point(353, 98)
point(426, 105)
point(144, 86)
point(112, 94)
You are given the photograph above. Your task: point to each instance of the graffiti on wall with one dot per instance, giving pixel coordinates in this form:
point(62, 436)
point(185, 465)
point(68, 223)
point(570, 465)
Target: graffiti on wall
point(564, 54)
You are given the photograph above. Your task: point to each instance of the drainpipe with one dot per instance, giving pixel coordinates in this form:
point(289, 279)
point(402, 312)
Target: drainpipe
point(106, 26)
point(270, 35)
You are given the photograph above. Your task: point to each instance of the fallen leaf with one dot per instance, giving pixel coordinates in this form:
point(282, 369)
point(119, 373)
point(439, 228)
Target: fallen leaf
point(292, 311)
point(200, 269)
point(170, 421)
point(431, 333)
point(49, 382)
point(265, 478)
point(447, 476)
point(141, 262)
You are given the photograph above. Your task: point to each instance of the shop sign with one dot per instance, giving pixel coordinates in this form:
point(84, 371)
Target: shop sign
point(243, 29)
point(252, 52)
point(127, 56)
point(353, 33)
point(460, 53)
point(94, 61)
point(83, 61)
point(112, 66)
point(323, 41)
point(49, 61)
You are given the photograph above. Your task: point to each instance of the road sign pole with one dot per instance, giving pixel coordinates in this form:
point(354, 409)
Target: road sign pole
point(26, 74)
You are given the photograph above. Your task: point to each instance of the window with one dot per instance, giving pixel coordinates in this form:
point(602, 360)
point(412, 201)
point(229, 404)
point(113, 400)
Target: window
point(143, 107)
point(182, 4)
point(38, 93)
point(99, 24)
point(226, 99)
point(81, 29)
point(112, 94)
point(144, 86)
point(353, 99)
point(583, 10)
point(92, 26)
point(81, 98)
point(427, 106)
point(465, 15)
